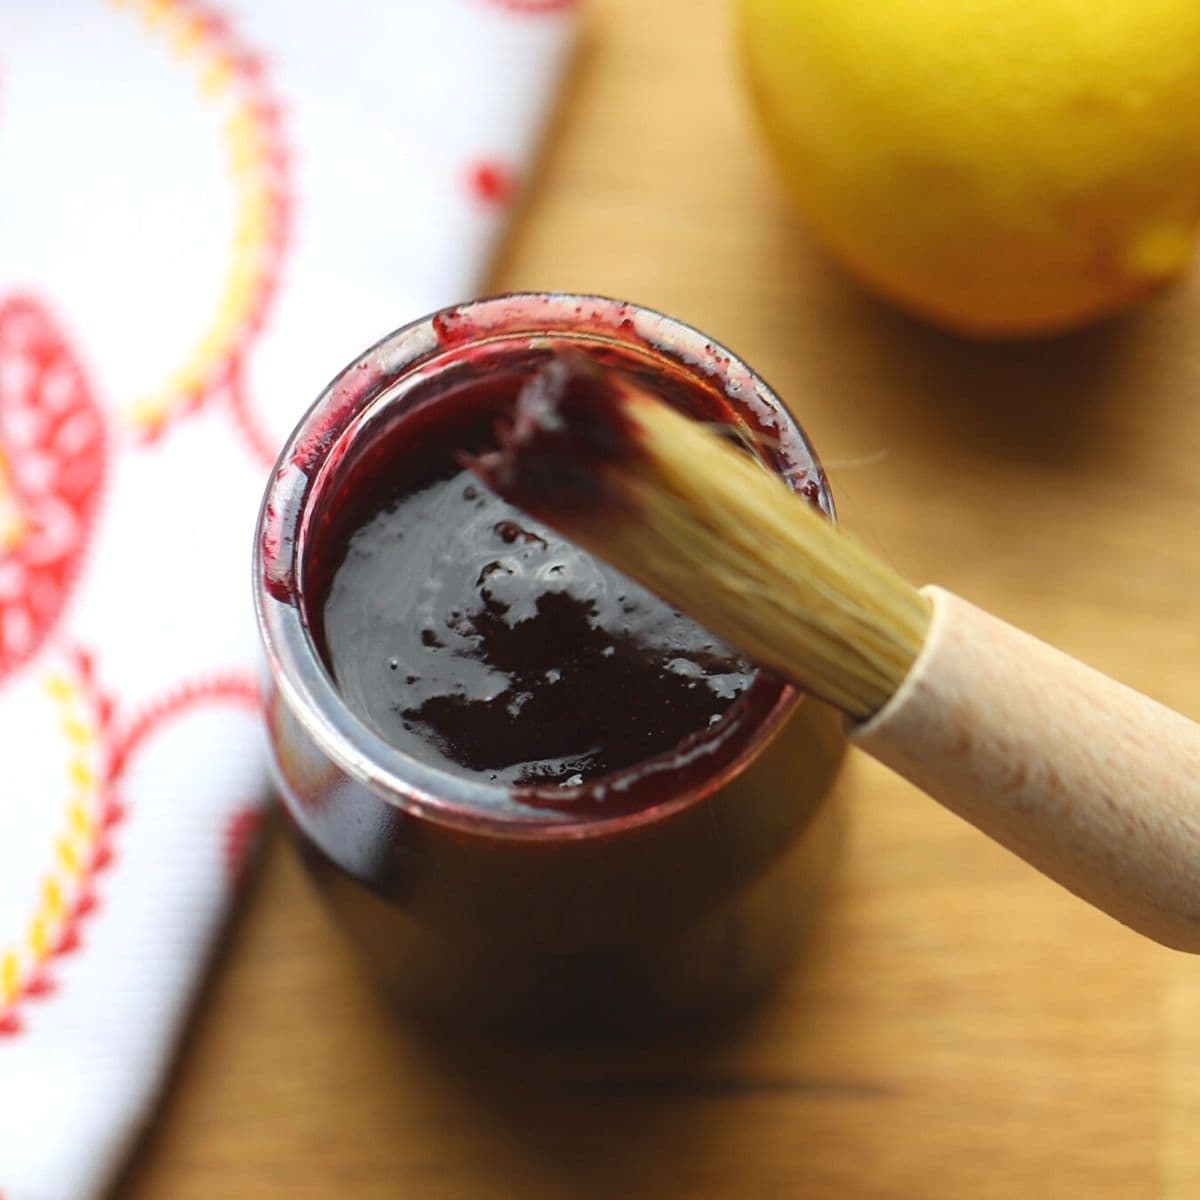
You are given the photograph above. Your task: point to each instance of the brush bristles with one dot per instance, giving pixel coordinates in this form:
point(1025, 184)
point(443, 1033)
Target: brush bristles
point(726, 541)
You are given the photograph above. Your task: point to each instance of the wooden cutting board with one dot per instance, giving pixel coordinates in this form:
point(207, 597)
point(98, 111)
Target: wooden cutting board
point(962, 1027)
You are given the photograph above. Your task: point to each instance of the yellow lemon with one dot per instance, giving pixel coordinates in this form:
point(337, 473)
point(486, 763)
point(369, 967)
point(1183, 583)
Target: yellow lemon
point(999, 166)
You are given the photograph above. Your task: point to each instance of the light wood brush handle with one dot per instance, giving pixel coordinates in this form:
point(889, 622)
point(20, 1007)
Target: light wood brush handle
point(1095, 785)
point(1089, 781)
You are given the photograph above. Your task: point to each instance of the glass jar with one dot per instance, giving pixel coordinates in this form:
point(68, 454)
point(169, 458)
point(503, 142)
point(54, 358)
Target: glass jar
point(467, 902)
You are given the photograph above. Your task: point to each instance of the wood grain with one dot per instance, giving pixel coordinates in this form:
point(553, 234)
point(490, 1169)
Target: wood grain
point(963, 1027)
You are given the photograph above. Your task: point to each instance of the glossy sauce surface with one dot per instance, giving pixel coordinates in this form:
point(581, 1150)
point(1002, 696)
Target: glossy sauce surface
point(471, 636)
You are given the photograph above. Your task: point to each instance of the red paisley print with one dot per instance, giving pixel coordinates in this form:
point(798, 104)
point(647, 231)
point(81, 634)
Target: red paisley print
point(52, 463)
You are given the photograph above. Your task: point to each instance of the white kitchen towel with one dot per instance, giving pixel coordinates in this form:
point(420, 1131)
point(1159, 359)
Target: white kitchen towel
point(205, 211)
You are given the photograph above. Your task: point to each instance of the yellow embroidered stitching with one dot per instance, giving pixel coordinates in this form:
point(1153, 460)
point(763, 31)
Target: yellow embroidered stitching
point(74, 845)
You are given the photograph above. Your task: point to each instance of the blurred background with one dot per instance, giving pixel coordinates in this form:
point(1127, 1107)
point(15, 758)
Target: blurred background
point(959, 1025)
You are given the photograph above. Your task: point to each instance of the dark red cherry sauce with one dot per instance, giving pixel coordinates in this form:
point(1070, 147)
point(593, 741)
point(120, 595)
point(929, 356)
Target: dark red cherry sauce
point(473, 637)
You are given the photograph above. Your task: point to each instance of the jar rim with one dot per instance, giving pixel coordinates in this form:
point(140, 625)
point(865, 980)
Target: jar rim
point(293, 659)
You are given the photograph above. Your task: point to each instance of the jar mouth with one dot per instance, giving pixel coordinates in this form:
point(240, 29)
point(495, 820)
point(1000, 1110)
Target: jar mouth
point(336, 421)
